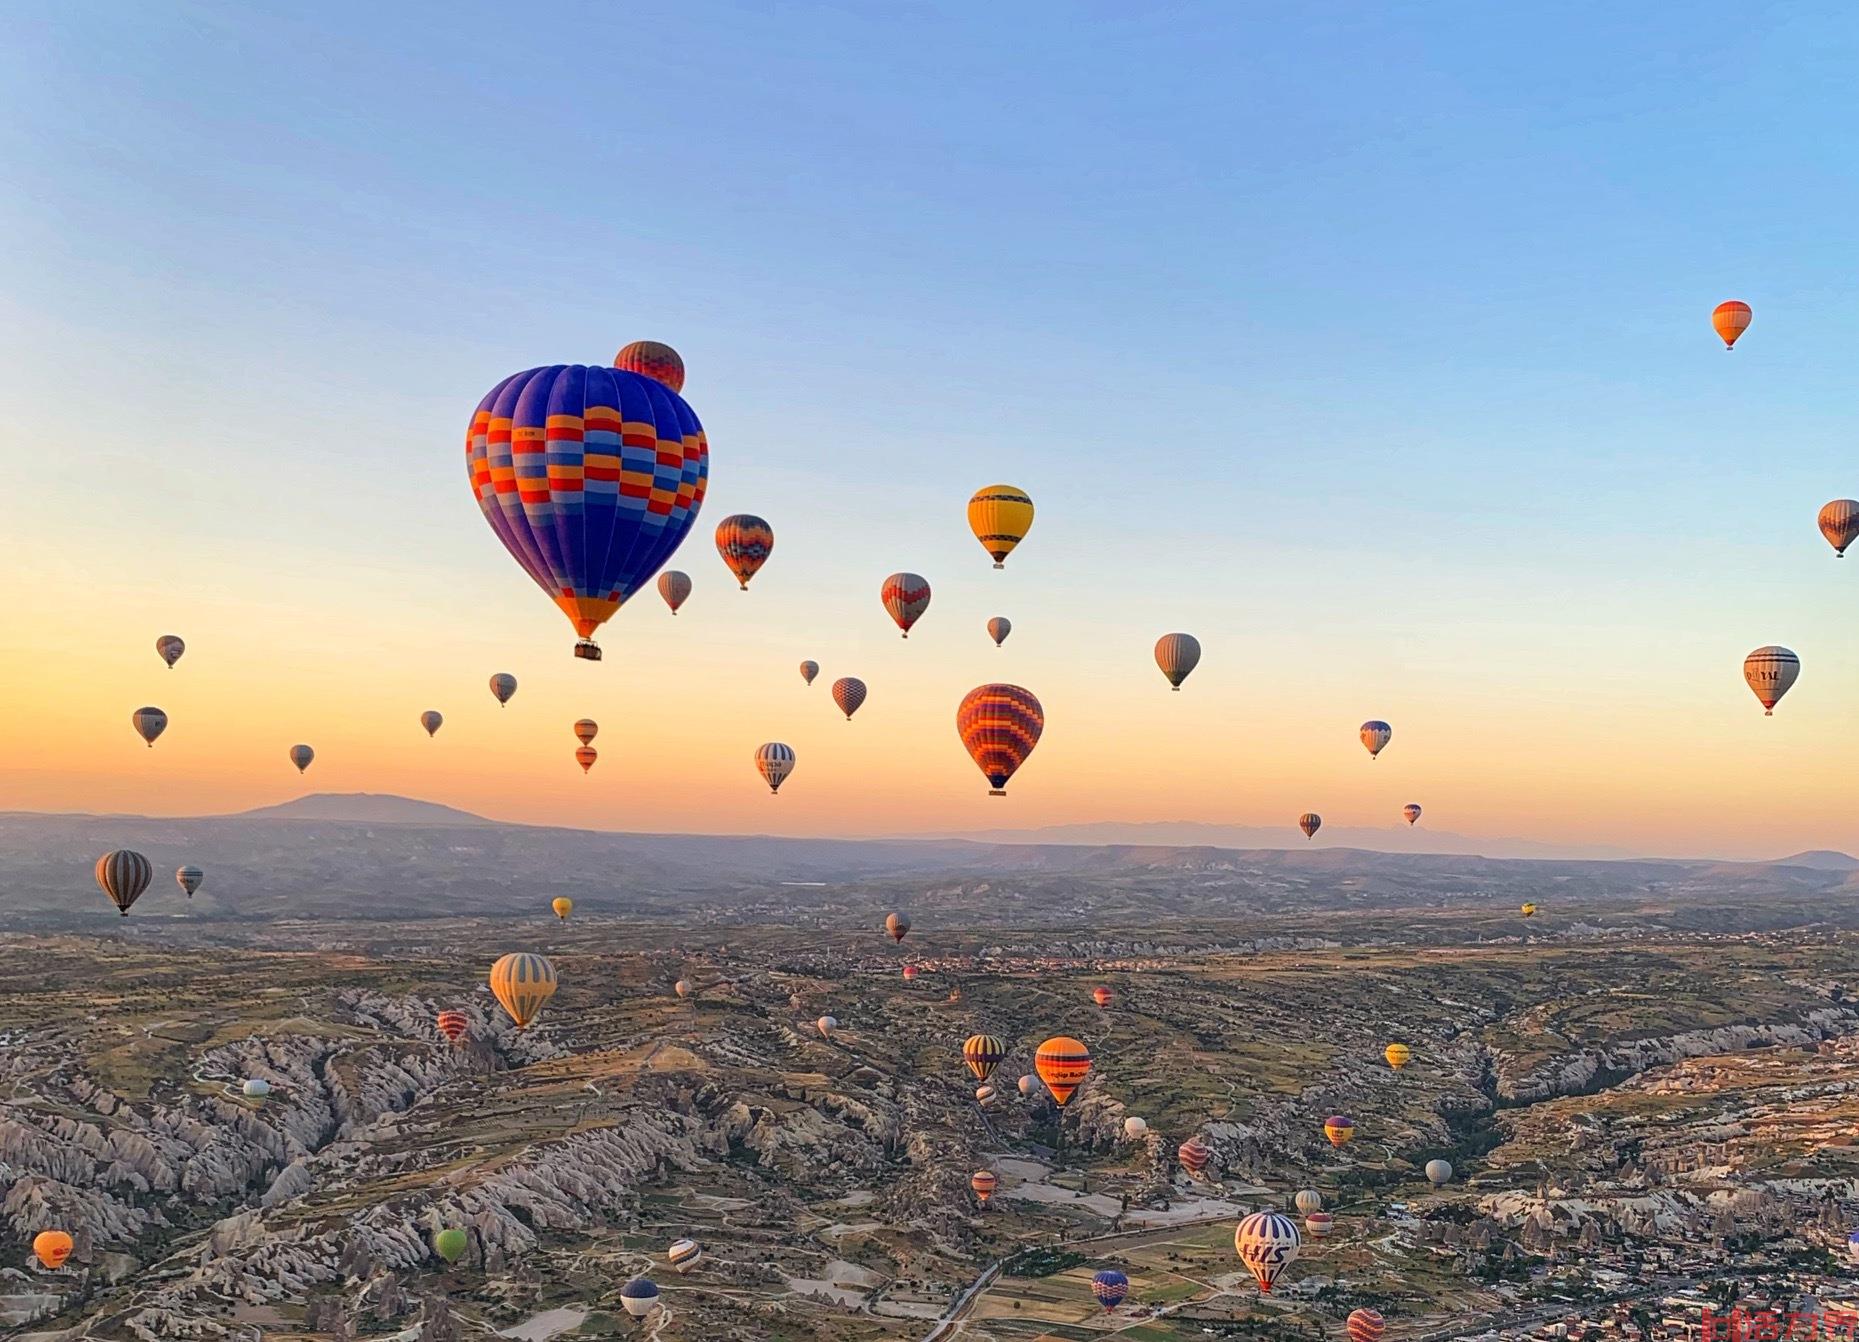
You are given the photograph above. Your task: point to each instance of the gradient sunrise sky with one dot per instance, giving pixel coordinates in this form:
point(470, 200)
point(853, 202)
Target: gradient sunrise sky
point(1371, 346)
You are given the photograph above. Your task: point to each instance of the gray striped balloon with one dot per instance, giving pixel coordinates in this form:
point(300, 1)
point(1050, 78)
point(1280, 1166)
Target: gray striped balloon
point(122, 876)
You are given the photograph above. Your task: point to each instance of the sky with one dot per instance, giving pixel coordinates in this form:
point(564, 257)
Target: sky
point(1370, 345)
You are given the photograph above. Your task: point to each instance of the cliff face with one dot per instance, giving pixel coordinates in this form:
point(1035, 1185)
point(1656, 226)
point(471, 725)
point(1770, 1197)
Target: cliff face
point(1583, 1069)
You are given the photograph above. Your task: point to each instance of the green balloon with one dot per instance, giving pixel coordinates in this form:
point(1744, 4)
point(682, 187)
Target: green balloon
point(450, 1244)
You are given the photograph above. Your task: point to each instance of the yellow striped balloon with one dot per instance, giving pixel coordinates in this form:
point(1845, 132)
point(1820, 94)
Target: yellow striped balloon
point(1062, 1063)
point(523, 983)
point(982, 1053)
point(1397, 1055)
point(1000, 516)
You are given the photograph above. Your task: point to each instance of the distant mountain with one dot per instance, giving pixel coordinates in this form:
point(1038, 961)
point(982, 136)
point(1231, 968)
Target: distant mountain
point(1395, 839)
point(1820, 859)
point(363, 808)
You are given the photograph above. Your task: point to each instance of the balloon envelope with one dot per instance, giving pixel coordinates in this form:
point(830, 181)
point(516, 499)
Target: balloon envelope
point(1310, 822)
point(808, 670)
point(683, 1255)
point(1410, 812)
point(674, 586)
point(1771, 672)
point(774, 761)
point(983, 1183)
point(169, 648)
point(563, 906)
point(745, 541)
point(1267, 1243)
point(52, 1247)
point(453, 1025)
point(523, 983)
point(1194, 1155)
point(1135, 1128)
point(1365, 1325)
point(1397, 1055)
point(1375, 736)
point(591, 478)
point(149, 723)
point(999, 725)
point(826, 1025)
point(1177, 655)
point(1839, 523)
point(1730, 320)
point(431, 720)
point(585, 757)
point(1110, 1287)
point(897, 924)
point(1000, 516)
point(189, 879)
point(301, 755)
point(653, 359)
point(1318, 1224)
point(1062, 1063)
point(639, 1297)
point(982, 1053)
point(1339, 1128)
point(1309, 1200)
point(1439, 1172)
point(122, 876)
point(905, 596)
point(848, 693)
point(998, 629)
point(256, 1089)
point(450, 1244)
point(585, 730)
point(503, 685)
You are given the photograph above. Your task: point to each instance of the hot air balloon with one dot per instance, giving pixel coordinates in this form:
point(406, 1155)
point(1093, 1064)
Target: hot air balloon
point(1365, 1325)
point(808, 670)
point(591, 477)
point(1308, 1200)
point(1339, 1128)
point(683, 1255)
point(1527, 910)
point(984, 1096)
point(523, 982)
point(1177, 655)
point(1194, 1155)
point(52, 1247)
point(149, 723)
point(169, 648)
point(1310, 822)
point(1839, 523)
point(1771, 671)
point(1730, 319)
point(450, 1244)
point(955, 995)
point(1102, 996)
point(675, 587)
point(503, 685)
point(1028, 1084)
point(301, 755)
point(563, 906)
point(189, 879)
point(639, 1297)
point(256, 1089)
point(910, 973)
point(585, 757)
point(452, 1024)
point(998, 629)
point(653, 359)
point(431, 720)
point(745, 541)
point(1267, 1243)
point(1410, 812)
point(1439, 1172)
point(999, 725)
point(1375, 736)
point(982, 1053)
point(1135, 1128)
point(826, 1025)
point(848, 693)
point(1852, 1246)
point(775, 762)
point(1397, 1055)
point(906, 596)
point(1062, 1063)
point(1318, 1224)
point(983, 1183)
point(1111, 1288)
point(585, 730)
point(123, 875)
point(1000, 516)
point(682, 987)
point(897, 924)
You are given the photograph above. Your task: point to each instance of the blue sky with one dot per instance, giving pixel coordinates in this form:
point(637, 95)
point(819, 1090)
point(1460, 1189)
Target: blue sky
point(1371, 345)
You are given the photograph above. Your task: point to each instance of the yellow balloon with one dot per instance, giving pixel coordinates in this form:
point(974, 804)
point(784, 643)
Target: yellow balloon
point(563, 906)
point(1000, 516)
point(1397, 1055)
point(523, 983)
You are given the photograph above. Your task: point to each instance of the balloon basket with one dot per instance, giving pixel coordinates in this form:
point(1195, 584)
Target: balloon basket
point(587, 650)
point(997, 792)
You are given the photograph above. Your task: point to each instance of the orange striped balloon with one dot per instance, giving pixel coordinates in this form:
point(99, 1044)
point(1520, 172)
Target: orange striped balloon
point(983, 1182)
point(982, 1053)
point(1839, 523)
point(1731, 319)
point(745, 541)
point(1365, 1325)
point(1062, 1063)
point(653, 359)
point(999, 725)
